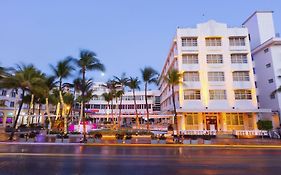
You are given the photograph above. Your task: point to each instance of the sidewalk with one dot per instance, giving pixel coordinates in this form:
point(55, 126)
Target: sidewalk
point(216, 141)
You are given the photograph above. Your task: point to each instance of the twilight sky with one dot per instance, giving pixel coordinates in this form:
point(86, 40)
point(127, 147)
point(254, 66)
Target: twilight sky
point(125, 34)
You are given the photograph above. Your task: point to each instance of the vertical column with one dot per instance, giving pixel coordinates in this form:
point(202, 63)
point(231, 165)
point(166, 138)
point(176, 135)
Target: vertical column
point(223, 121)
point(200, 121)
point(255, 120)
point(182, 122)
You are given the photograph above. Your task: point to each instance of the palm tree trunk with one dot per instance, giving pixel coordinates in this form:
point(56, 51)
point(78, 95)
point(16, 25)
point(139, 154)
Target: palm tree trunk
point(39, 113)
point(147, 112)
point(81, 116)
point(120, 120)
point(83, 103)
point(48, 113)
point(30, 108)
point(135, 106)
point(17, 117)
point(58, 111)
point(175, 111)
point(116, 108)
point(113, 120)
point(16, 103)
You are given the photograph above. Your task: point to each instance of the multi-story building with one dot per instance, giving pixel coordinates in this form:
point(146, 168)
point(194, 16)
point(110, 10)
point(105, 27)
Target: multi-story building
point(101, 110)
point(9, 100)
point(218, 88)
point(266, 53)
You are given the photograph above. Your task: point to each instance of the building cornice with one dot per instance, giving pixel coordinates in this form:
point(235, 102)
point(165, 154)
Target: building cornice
point(271, 41)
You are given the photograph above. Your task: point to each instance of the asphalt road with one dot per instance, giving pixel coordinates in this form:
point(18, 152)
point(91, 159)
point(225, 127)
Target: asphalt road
point(75, 159)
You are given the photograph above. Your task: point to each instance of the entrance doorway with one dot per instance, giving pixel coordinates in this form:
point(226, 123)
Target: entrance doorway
point(211, 122)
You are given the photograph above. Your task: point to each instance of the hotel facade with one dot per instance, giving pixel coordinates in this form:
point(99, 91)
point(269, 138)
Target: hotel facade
point(217, 91)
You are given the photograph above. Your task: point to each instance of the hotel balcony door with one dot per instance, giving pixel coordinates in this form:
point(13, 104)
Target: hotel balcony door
point(211, 122)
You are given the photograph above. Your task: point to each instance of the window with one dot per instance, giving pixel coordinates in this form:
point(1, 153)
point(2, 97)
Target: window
point(213, 41)
point(241, 76)
point(190, 59)
point(192, 41)
point(243, 94)
point(270, 81)
point(214, 59)
point(96, 106)
point(272, 96)
point(239, 58)
point(13, 94)
point(191, 118)
point(12, 104)
point(234, 119)
point(268, 65)
point(237, 41)
point(217, 94)
point(192, 95)
point(191, 76)
point(216, 76)
point(265, 50)
point(4, 92)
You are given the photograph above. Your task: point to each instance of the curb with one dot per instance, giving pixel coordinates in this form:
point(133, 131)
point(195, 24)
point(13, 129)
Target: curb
point(148, 145)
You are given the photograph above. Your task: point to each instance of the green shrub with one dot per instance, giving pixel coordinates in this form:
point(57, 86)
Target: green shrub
point(98, 136)
point(264, 125)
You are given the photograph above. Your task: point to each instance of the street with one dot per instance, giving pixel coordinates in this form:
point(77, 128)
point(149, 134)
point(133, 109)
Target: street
point(78, 159)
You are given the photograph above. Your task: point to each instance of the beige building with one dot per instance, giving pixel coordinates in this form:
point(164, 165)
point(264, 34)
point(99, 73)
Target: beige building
point(218, 88)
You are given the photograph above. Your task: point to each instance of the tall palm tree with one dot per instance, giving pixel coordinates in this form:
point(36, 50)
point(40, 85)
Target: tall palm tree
point(149, 76)
point(46, 91)
point(25, 77)
point(108, 97)
point(62, 70)
point(134, 83)
point(88, 61)
point(121, 82)
point(173, 78)
point(112, 87)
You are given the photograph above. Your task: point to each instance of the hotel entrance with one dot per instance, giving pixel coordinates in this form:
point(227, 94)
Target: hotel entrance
point(211, 121)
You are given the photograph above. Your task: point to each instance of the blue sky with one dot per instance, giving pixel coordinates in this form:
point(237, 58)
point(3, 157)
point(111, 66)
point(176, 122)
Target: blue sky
point(126, 35)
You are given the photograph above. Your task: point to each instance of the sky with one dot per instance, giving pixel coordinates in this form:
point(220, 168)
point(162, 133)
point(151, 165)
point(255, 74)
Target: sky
point(127, 35)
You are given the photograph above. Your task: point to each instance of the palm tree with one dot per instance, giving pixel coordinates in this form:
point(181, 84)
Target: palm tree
point(88, 62)
point(25, 77)
point(134, 84)
point(46, 89)
point(149, 76)
point(121, 82)
point(112, 87)
point(173, 78)
point(62, 71)
point(2, 72)
point(108, 97)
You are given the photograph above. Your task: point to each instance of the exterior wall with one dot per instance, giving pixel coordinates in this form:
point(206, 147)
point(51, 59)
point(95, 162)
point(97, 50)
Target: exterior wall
point(263, 74)
point(261, 27)
point(266, 49)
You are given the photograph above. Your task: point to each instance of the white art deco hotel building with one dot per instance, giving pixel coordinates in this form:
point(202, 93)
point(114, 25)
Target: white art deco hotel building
point(217, 90)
